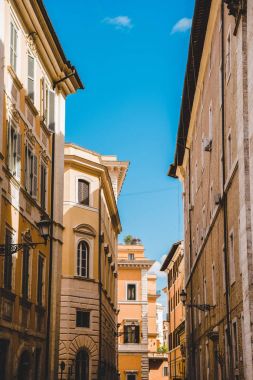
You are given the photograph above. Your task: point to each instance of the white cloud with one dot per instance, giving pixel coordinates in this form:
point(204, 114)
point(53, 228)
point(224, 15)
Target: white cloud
point(120, 22)
point(155, 269)
point(182, 25)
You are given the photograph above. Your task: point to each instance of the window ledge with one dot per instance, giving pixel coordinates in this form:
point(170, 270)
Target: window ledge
point(8, 294)
point(31, 105)
point(15, 77)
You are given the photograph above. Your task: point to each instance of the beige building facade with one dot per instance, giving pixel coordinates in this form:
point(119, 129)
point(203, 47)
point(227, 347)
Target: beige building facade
point(88, 327)
point(214, 162)
point(32, 128)
point(174, 267)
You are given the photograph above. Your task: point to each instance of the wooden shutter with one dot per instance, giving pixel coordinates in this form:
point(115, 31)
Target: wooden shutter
point(40, 279)
point(137, 334)
point(26, 167)
point(35, 176)
point(83, 192)
point(42, 81)
point(43, 176)
point(8, 260)
point(30, 77)
point(19, 155)
point(25, 274)
point(51, 110)
point(8, 144)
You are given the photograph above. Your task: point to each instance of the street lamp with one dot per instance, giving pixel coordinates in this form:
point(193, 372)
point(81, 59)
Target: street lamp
point(201, 307)
point(44, 229)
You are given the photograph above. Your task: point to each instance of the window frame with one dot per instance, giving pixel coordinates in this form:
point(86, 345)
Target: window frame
point(31, 79)
point(83, 311)
point(13, 46)
point(84, 181)
point(136, 291)
point(78, 260)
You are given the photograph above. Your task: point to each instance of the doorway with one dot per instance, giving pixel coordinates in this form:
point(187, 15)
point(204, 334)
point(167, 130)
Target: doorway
point(82, 366)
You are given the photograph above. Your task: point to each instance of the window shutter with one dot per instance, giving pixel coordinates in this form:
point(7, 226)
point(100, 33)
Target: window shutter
point(83, 192)
point(137, 334)
point(35, 176)
point(31, 77)
point(25, 272)
point(51, 119)
point(8, 144)
point(42, 82)
point(26, 167)
point(19, 155)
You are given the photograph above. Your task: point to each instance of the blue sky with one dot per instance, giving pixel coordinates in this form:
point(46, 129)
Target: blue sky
point(131, 56)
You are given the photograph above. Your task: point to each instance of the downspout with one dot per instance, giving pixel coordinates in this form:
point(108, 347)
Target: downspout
point(224, 203)
point(192, 364)
point(50, 261)
point(99, 284)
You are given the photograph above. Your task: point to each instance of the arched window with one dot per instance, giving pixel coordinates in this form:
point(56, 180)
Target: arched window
point(83, 259)
point(83, 192)
point(82, 366)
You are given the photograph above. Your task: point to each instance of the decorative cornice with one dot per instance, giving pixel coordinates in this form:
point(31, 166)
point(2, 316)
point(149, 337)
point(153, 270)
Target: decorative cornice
point(236, 8)
point(85, 229)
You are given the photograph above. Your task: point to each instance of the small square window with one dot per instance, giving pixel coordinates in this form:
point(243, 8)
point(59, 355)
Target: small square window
point(131, 376)
point(131, 256)
point(131, 292)
point(82, 318)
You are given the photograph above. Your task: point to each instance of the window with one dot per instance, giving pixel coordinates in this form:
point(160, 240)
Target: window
point(235, 344)
point(13, 45)
point(40, 280)
point(228, 56)
point(43, 185)
point(25, 273)
point(210, 122)
point(205, 294)
point(8, 260)
point(207, 362)
point(131, 334)
point(82, 318)
point(83, 259)
point(229, 151)
point(131, 376)
point(131, 256)
point(165, 371)
point(231, 258)
point(31, 171)
point(30, 77)
point(199, 312)
point(83, 192)
point(47, 105)
point(213, 285)
point(131, 292)
point(13, 150)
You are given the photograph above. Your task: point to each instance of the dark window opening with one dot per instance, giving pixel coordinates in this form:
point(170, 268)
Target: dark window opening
point(131, 334)
point(131, 292)
point(82, 318)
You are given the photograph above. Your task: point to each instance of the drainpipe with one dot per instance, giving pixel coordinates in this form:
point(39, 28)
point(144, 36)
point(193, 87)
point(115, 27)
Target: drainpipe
point(99, 283)
point(47, 361)
point(224, 203)
point(192, 362)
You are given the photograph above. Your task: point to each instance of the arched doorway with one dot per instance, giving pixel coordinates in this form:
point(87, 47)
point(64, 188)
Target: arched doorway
point(24, 366)
point(82, 365)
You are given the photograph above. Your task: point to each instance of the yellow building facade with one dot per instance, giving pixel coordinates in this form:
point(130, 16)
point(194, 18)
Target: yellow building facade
point(32, 109)
point(174, 266)
point(137, 319)
point(88, 328)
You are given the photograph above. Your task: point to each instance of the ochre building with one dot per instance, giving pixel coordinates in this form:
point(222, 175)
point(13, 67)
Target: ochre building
point(174, 267)
point(32, 114)
point(88, 313)
point(213, 160)
point(137, 329)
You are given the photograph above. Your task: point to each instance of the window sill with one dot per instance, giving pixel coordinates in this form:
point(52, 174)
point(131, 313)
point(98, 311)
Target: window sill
point(31, 105)
point(15, 77)
point(8, 294)
point(25, 302)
